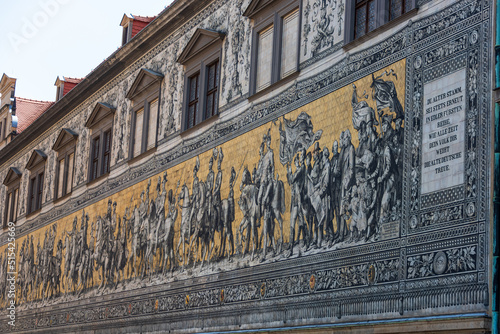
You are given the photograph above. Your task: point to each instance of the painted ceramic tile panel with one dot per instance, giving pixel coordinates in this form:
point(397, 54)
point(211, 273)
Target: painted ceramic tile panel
point(323, 177)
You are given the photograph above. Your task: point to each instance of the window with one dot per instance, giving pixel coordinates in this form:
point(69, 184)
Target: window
point(127, 33)
point(193, 99)
point(145, 96)
point(364, 16)
point(212, 89)
point(36, 166)
point(12, 181)
point(100, 124)
point(399, 7)
point(65, 148)
point(101, 151)
point(276, 37)
point(201, 58)
point(126, 23)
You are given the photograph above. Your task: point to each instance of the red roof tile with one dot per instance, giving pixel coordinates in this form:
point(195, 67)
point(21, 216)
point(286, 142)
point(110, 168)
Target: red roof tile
point(28, 111)
point(143, 18)
point(73, 80)
point(70, 83)
point(140, 22)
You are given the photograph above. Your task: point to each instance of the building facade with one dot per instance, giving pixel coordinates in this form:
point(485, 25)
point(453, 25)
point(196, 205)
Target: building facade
point(281, 165)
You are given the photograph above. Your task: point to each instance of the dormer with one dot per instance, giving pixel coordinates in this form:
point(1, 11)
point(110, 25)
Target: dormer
point(132, 25)
point(7, 89)
point(64, 85)
point(8, 119)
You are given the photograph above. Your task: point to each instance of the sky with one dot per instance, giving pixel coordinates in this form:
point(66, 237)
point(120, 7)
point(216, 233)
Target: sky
point(43, 39)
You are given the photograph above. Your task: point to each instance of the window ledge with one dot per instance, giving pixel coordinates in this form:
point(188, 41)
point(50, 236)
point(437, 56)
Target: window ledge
point(142, 155)
point(275, 85)
point(60, 199)
point(97, 179)
point(386, 26)
point(33, 213)
point(209, 120)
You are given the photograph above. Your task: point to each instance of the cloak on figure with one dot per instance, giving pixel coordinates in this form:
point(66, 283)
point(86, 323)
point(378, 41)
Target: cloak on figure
point(296, 135)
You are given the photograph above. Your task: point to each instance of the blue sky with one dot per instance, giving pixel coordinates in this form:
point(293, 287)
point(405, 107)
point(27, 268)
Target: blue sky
point(43, 39)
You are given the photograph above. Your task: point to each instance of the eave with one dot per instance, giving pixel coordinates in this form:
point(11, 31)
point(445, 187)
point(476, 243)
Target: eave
point(167, 22)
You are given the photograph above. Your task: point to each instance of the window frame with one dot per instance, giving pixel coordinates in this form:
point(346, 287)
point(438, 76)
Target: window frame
point(64, 146)
point(263, 18)
point(201, 65)
point(12, 184)
point(100, 122)
point(203, 50)
point(144, 91)
point(99, 134)
point(64, 153)
point(36, 166)
point(382, 8)
point(145, 104)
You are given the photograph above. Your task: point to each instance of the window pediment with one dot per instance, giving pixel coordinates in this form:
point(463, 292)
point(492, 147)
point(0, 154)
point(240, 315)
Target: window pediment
point(100, 112)
point(201, 40)
point(65, 136)
point(12, 175)
point(36, 158)
point(255, 6)
point(145, 80)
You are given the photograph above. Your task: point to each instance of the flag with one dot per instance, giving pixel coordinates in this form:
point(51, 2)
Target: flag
point(296, 135)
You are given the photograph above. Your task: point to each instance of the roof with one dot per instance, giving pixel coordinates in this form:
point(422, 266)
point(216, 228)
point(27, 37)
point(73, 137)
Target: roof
point(168, 20)
point(27, 111)
point(73, 80)
point(144, 18)
point(139, 23)
point(69, 83)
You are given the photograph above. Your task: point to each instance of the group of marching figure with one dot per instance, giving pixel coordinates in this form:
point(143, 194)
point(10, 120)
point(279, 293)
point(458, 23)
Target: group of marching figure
point(342, 196)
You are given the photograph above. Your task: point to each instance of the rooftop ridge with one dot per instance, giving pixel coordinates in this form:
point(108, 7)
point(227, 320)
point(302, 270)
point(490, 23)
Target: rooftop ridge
point(32, 100)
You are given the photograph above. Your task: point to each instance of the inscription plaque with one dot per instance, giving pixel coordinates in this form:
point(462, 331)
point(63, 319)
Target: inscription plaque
point(443, 132)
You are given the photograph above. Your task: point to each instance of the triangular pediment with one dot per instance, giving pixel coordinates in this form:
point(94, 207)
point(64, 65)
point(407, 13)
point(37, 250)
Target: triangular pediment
point(125, 20)
point(37, 157)
point(201, 40)
point(12, 175)
point(65, 136)
point(101, 111)
point(255, 6)
point(58, 82)
point(145, 79)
